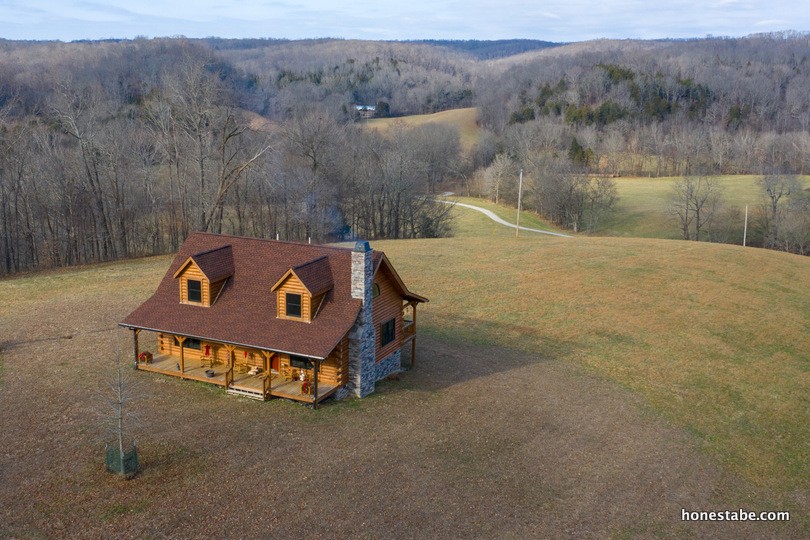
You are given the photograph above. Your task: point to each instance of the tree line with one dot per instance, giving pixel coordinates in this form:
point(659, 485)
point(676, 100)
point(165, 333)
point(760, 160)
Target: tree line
point(100, 168)
point(781, 221)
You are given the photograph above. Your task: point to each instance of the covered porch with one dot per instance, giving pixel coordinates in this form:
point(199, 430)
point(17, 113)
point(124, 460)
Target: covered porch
point(263, 379)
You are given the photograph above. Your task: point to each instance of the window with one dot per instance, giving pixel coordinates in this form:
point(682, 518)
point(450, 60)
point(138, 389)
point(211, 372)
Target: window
point(189, 343)
point(293, 305)
point(387, 332)
point(375, 290)
point(299, 362)
point(194, 290)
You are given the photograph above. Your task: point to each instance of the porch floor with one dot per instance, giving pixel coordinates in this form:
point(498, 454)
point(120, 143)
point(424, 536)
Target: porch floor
point(195, 370)
point(287, 388)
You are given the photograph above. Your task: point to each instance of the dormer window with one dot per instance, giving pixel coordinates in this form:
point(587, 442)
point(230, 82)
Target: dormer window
point(194, 290)
point(293, 303)
point(202, 277)
point(303, 289)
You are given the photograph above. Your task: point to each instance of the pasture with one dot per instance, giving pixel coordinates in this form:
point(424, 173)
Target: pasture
point(583, 387)
point(643, 207)
point(463, 119)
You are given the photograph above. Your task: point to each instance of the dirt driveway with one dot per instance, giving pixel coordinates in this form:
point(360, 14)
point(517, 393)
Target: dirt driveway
point(475, 442)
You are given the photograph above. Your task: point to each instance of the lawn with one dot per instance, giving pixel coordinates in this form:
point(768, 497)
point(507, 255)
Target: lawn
point(564, 386)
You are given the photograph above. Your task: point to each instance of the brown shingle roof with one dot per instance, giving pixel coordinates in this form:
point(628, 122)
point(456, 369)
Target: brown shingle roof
point(315, 275)
point(245, 313)
point(216, 264)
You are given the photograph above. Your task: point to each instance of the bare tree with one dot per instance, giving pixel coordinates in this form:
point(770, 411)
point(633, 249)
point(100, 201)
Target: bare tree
point(680, 205)
point(314, 137)
point(795, 231)
point(78, 111)
point(502, 171)
point(694, 202)
point(777, 187)
point(121, 390)
point(707, 198)
point(602, 197)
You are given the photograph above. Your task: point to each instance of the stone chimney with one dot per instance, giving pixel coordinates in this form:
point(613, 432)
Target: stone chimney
point(361, 336)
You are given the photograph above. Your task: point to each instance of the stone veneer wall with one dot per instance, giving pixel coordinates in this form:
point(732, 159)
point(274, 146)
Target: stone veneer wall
point(388, 365)
point(362, 369)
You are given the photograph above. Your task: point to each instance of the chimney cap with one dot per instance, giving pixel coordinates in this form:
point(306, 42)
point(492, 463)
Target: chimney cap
point(362, 246)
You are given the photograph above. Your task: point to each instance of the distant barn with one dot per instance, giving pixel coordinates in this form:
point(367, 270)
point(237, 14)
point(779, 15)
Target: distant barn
point(366, 111)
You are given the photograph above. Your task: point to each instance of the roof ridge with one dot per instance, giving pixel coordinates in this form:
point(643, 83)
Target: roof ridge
point(316, 259)
point(288, 242)
point(212, 250)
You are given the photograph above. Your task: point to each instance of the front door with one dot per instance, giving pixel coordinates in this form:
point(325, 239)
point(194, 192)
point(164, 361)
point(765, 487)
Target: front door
point(274, 362)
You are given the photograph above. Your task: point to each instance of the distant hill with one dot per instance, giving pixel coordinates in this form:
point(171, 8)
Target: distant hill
point(488, 50)
point(475, 48)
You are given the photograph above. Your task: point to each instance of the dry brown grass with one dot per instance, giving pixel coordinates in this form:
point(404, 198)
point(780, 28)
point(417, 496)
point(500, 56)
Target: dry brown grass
point(514, 424)
point(463, 119)
point(716, 337)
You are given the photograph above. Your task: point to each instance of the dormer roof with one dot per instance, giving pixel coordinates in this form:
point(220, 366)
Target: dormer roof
point(216, 264)
point(315, 275)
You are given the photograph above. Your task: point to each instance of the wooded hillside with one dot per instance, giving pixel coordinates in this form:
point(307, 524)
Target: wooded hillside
point(120, 148)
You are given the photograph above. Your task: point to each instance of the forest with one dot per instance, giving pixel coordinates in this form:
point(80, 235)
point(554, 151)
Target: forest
point(120, 148)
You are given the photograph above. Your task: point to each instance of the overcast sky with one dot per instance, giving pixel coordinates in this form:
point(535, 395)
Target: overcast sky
point(550, 20)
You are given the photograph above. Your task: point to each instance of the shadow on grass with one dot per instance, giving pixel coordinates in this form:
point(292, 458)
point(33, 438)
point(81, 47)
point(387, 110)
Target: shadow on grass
point(171, 463)
point(445, 358)
point(13, 344)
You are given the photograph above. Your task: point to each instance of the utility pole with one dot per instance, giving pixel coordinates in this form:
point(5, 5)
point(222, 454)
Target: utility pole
point(520, 195)
point(745, 227)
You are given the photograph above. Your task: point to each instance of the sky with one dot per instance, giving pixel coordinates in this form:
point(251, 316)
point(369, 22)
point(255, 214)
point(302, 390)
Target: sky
point(549, 20)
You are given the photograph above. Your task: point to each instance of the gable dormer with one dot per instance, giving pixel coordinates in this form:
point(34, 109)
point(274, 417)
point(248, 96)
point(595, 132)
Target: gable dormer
point(301, 291)
point(202, 276)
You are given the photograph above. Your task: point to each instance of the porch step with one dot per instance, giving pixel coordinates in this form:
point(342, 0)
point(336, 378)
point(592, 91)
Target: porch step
point(246, 393)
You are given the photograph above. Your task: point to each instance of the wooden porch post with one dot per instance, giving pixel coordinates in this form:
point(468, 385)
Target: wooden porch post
point(181, 339)
point(267, 380)
point(229, 373)
point(135, 332)
point(413, 341)
point(315, 380)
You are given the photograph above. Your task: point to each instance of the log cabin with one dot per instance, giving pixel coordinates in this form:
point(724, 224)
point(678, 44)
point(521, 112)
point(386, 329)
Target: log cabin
point(264, 318)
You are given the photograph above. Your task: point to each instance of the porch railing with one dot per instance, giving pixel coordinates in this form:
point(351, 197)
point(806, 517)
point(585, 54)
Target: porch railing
point(408, 329)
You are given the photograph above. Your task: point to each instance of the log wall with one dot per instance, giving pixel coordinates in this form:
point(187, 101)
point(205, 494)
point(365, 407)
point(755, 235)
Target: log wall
point(387, 306)
point(333, 370)
point(293, 285)
point(193, 272)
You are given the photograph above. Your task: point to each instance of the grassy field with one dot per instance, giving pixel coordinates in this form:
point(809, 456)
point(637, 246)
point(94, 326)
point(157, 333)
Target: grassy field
point(717, 337)
point(469, 223)
point(642, 208)
point(463, 119)
point(583, 387)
